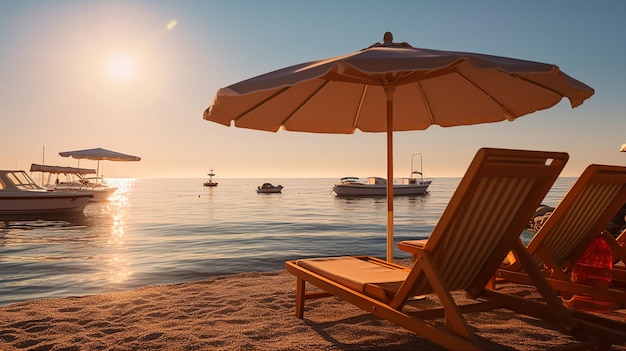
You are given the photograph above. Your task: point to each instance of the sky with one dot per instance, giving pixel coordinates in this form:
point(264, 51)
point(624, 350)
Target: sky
point(135, 76)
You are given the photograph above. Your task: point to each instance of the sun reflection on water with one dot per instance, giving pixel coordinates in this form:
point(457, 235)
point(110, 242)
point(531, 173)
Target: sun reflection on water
point(119, 271)
point(116, 207)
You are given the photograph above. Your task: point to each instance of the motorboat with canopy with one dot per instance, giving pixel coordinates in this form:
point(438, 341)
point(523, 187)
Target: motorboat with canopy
point(76, 179)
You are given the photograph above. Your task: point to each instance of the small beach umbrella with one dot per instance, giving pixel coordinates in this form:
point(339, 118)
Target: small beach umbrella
point(389, 87)
point(99, 154)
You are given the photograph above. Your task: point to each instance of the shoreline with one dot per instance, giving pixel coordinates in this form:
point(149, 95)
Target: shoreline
point(245, 311)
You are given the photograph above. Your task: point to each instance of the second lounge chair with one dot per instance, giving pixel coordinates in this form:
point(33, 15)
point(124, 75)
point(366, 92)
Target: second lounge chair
point(579, 218)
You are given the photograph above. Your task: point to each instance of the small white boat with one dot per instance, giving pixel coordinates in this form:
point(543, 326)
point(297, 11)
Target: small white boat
point(210, 182)
point(20, 195)
point(268, 188)
point(377, 186)
point(75, 179)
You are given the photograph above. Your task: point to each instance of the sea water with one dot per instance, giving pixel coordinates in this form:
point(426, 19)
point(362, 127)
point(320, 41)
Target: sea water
point(162, 231)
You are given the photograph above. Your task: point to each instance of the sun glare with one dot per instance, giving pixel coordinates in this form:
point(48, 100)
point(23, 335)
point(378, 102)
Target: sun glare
point(171, 24)
point(121, 66)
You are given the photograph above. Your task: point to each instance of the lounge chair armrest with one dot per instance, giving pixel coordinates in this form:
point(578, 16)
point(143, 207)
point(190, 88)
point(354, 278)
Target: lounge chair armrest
point(412, 246)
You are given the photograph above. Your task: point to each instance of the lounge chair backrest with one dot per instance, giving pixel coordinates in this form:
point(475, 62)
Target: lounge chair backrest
point(584, 212)
point(489, 210)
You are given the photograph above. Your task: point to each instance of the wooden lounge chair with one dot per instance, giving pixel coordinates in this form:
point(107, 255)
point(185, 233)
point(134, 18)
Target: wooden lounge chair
point(579, 218)
point(482, 222)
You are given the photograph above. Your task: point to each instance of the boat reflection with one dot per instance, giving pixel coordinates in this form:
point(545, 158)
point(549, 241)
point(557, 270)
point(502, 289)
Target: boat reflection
point(37, 221)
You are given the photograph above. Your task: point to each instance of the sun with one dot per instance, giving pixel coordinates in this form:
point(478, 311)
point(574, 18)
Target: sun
point(121, 66)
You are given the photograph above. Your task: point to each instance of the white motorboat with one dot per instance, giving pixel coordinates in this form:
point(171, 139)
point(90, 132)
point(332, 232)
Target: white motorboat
point(101, 190)
point(75, 179)
point(210, 182)
point(20, 195)
point(268, 188)
point(377, 186)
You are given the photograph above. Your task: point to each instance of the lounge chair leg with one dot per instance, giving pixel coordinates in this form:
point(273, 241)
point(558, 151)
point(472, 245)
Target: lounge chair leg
point(453, 318)
point(553, 301)
point(300, 288)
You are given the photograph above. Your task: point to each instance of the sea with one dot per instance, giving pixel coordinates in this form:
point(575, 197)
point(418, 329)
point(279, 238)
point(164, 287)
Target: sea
point(164, 231)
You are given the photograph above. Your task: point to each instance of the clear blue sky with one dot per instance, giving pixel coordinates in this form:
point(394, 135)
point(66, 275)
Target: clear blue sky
point(62, 88)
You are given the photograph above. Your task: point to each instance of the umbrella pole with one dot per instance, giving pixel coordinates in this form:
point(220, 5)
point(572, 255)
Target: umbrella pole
point(390, 243)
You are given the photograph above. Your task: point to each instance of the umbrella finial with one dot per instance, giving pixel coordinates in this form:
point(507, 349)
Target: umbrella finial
point(388, 38)
point(388, 43)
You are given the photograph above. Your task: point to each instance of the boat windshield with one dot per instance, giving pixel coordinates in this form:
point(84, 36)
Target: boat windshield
point(22, 181)
point(349, 180)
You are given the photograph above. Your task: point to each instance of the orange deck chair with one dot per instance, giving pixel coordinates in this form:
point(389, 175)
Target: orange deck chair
point(481, 224)
point(579, 218)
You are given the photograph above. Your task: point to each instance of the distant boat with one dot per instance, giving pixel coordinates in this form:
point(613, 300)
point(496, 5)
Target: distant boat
point(268, 188)
point(210, 182)
point(377, 186)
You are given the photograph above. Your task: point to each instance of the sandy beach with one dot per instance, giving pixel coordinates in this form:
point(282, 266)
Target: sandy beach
point(247, 311)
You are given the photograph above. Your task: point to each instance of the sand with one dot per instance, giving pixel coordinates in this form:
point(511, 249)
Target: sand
point(247, 311)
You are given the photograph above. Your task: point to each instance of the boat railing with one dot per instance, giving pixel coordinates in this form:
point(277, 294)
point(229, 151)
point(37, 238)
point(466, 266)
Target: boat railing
point(421, 176)
point(72, 186)
point(415, 171)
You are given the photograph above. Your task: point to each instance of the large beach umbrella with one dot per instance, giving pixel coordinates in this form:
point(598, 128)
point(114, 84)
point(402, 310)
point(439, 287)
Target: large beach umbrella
point(99, 154)
point(394, 87)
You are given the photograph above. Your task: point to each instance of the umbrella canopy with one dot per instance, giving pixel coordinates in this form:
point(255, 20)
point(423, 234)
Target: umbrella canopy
point(99, 154)
point(60, 169)
point(394, 87)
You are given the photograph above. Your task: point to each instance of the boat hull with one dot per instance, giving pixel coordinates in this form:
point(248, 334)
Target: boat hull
point(269, 191)
point(102, 194)
point(356, 189)
point(98, 193)
point(43, 203)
